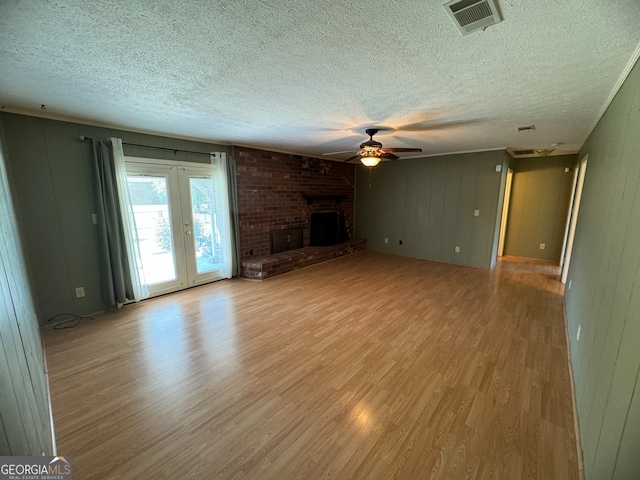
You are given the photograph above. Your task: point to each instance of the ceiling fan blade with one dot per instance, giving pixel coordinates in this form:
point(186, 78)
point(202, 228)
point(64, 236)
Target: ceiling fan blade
point(390, 156)
point(351, 158)
point(338, 153)
point(401, 149)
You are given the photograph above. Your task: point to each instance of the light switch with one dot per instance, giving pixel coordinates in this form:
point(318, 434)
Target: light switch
point(476, 213)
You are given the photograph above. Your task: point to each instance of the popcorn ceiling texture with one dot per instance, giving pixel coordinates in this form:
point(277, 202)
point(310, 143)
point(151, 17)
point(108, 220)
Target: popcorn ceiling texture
point(309, 77)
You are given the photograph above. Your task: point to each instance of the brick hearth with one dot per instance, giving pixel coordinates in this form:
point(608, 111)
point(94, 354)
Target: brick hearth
point(259, 268)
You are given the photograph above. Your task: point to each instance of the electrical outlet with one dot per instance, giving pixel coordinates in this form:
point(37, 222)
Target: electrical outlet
point(542, 246)
point(79, 292)
point(476, 213)
point(578, 334)
point(386, 240)
point(94, 218)
point(400, 242)
point(457, 249)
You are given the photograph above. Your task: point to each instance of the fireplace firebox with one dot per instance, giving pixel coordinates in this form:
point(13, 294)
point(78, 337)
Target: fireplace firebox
point(326, 228)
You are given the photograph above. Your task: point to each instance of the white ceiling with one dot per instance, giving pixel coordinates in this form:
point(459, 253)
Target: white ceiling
point(308, 77)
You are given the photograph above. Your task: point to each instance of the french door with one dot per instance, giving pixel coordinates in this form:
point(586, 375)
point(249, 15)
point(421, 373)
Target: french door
point(182, 223)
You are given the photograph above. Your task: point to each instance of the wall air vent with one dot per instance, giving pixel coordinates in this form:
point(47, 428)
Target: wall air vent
point(472, 15)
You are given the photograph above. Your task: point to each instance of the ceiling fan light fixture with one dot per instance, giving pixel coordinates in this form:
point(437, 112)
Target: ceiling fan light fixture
point(371, 152)
point(370, 161)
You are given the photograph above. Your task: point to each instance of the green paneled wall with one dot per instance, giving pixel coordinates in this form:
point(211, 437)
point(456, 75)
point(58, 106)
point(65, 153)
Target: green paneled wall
point(540, 195)
point(25, 425)
point(428, 203)
point(604, 298)
point(52, 177)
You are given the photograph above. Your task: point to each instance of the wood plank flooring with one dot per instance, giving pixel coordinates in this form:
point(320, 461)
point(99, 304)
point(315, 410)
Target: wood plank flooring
point(370, 366)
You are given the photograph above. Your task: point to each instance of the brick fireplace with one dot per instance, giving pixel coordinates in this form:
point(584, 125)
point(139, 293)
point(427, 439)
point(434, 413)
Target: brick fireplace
point(278, 191)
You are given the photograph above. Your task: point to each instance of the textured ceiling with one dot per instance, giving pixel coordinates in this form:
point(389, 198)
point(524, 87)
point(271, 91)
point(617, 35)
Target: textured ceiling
point(310, 77)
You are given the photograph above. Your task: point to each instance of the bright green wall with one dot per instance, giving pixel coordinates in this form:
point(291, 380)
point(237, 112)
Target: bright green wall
point(604, 298)
point(52, 178)
point(428, 203)
point(540, 195)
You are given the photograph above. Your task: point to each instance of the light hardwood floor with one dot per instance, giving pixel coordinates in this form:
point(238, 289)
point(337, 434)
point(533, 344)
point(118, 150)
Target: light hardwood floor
point(369, 366)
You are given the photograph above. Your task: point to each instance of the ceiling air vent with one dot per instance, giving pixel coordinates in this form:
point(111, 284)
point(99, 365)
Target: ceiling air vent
point(522, 153)
point(472, 15)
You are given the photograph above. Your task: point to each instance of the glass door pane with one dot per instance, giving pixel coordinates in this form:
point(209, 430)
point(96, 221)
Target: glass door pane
point(155, 196)
point(153, 222)
point(206, 236)
point(203, 250)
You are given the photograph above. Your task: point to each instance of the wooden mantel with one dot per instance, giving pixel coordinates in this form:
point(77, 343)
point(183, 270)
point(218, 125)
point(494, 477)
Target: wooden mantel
point(311, 198)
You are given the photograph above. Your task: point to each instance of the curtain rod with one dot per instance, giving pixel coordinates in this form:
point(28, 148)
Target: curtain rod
point(174, 150)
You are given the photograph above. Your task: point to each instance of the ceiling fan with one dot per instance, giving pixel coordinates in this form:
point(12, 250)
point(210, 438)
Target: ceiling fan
point(371, 152)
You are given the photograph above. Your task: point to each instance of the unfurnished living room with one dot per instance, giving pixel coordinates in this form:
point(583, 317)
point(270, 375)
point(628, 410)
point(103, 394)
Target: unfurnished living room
point(304, 240)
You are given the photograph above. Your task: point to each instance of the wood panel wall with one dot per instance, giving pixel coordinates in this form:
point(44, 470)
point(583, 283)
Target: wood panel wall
point(604, 298)
point(428, 204)
point(25, 427)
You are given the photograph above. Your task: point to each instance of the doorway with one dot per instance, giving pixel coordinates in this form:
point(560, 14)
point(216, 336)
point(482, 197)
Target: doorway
point(572, 219)
point(505, 212)
point(182, 223)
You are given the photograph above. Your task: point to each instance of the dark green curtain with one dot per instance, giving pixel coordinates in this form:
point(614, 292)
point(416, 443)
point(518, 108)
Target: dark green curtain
point(233, 212)
point(115, 266)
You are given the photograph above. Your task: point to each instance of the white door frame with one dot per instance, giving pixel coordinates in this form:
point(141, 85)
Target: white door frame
point(505, 212)
point(168, 172)
point(177, 174)
point(185, 174)
point(574, 219)
point(565, 240)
